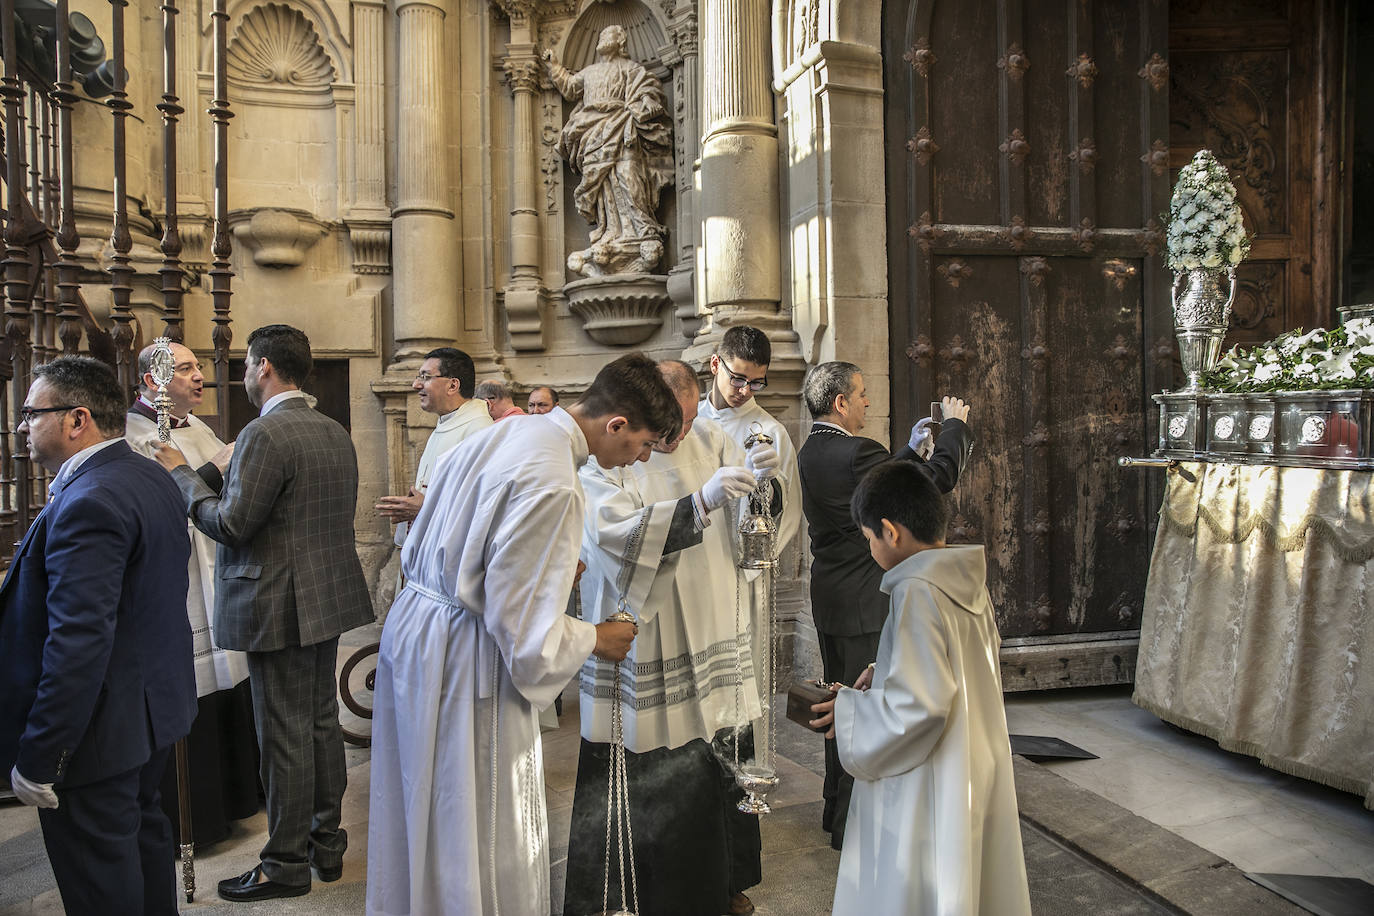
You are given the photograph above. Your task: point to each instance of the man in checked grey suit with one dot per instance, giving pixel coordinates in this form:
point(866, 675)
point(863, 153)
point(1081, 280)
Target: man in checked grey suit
point(289, 584)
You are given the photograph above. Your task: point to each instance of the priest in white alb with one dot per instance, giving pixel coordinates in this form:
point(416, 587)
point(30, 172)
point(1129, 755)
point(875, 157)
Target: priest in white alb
point(478, 642)
point(222, 747)
point(660, 538)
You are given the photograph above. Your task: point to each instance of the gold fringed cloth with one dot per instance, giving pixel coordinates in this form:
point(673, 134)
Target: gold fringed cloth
point(1258, 630)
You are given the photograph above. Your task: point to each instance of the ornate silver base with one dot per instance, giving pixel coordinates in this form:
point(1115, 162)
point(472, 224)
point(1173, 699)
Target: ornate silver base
point(1198, 349)
point(757, 782)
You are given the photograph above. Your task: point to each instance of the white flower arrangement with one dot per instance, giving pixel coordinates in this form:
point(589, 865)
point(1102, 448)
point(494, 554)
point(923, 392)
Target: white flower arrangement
point(1300, 360)
point(1206, 228)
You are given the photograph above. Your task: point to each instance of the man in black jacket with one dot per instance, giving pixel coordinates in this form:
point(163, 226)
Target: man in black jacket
point(846, 604)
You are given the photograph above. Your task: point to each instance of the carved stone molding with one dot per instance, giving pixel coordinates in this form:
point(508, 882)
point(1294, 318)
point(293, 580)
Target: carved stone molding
point(920, 350)
point(1157, 158)
point(1035, 269)
point(925, 232)
point(371, 243)
point(921, 58)
point(1085, 236)
point(523, 74)
point(277, 237)
point(922, 146)
point(1118, 271)
point(1083, 70)
point(619, 310)
point(1015, 147)
point(275, 45)
point(1085, 155)
point(953, 271)
point(1015, 62)
point(1156, 71)
point(1018, 233)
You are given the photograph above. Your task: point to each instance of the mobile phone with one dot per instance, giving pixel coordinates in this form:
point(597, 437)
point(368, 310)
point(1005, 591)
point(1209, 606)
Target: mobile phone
point(937, 412)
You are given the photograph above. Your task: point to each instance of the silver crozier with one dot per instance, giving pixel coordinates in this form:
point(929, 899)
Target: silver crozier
point(163, 370)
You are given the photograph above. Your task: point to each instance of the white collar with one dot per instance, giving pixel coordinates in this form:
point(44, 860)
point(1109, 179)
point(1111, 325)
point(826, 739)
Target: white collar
point(72, 464)
point(276, 399)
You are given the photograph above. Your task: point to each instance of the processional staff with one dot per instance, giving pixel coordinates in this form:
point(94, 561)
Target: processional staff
point(163, 369)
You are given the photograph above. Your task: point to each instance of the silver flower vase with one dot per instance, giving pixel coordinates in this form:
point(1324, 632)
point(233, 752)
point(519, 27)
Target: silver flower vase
point(1201, 314)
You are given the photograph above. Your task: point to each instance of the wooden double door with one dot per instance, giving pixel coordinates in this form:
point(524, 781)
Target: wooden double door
point(1031, 148)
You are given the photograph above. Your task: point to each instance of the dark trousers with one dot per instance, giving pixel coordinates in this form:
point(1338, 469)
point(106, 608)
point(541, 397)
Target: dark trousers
point(843, 659)
point(111, 846)
point(297, 715)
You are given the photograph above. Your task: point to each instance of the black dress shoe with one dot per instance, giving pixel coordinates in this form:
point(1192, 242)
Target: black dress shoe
point(329, 874)
point(251, 886)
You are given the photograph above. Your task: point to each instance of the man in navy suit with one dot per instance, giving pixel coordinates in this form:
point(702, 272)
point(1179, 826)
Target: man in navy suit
point(98, 680)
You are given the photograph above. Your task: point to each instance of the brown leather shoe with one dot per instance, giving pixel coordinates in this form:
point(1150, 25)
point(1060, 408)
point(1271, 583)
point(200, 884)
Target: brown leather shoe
point(740, 905)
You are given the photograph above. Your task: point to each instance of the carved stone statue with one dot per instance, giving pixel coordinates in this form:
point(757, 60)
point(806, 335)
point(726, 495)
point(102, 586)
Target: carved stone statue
point(619, 139)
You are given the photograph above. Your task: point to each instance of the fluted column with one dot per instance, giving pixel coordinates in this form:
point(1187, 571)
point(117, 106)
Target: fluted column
point(738, 264)
point(369, 223)
point(525, 298)
point(426, 274)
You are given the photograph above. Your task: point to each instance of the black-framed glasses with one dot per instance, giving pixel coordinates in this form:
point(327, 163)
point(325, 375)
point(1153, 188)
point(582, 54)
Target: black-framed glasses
point(423, 377)
point(26, 414)
point(741, 381)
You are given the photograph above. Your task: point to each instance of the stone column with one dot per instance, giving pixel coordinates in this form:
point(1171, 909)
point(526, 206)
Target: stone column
point(369, 223)
point(426, 271)
point(738, 261)
point(526, 300)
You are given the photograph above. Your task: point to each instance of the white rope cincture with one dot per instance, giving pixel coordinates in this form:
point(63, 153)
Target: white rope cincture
point(495, 724)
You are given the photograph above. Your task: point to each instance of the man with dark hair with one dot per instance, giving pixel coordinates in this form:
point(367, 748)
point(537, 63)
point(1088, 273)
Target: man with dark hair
point(445, 383)
point(542, 400)
point(222, 748)
point(846, 603)
point(500, 401)
point(289, 584)
point(97, 681)
point(659, 539)
point(478, 642)
point(933, 826)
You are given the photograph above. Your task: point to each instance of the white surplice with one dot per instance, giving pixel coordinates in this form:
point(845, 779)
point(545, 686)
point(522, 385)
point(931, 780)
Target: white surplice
point(738, 423)
point(932, 827)
point(475, 644)
point(216, 669)
point(453, 427)
point(682, 679)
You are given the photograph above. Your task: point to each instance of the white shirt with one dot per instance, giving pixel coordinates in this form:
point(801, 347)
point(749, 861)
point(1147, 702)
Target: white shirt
point(69, 467)
point(276, 399)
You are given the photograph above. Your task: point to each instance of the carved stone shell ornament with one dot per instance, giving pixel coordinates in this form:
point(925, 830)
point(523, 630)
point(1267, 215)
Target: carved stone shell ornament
point(277, 45)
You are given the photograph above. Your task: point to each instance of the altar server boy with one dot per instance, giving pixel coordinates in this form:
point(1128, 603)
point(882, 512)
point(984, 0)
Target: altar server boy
point(932, 823)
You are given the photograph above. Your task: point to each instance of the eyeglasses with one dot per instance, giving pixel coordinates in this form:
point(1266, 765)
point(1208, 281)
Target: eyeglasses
point(423, 377)
point(26, 414)
point(740, 381)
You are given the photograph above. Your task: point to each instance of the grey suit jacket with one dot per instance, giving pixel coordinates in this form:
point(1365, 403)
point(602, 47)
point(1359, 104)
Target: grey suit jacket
point(287, 567)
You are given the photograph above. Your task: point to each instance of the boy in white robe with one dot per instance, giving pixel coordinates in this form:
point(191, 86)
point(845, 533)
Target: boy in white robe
point(933, 826)
point(478, 641)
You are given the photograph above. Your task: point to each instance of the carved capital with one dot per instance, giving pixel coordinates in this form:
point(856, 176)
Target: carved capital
point(1156, 71)
point(1015, 62)
point(921, 58)
point(922, 146)
point(1083, 70)
point(522, 73)
point(1015, 147)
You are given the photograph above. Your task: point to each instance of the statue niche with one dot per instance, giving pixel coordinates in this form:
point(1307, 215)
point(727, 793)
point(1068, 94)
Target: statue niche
point(618, 138)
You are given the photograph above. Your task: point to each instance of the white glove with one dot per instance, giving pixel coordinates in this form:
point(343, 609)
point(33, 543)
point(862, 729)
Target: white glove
point(726, 484)
point(762, 461)
point(34, 794)
point(922, 441)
